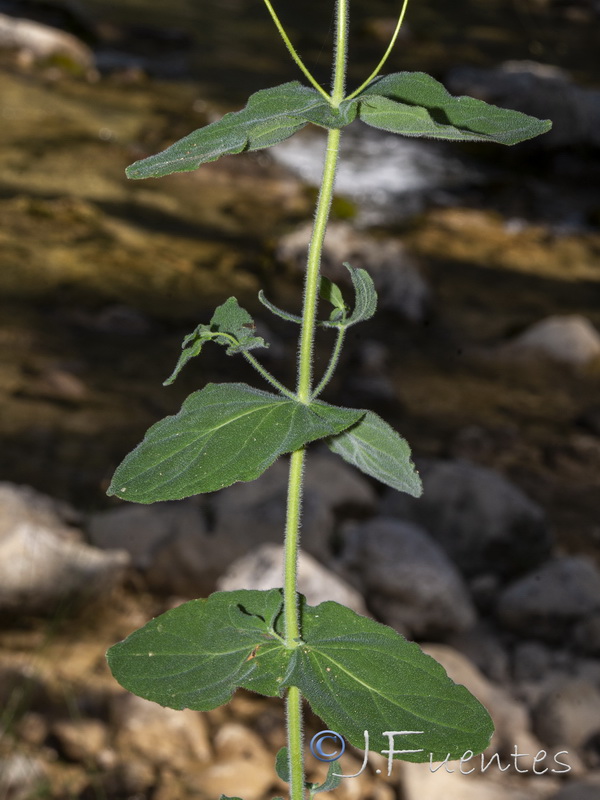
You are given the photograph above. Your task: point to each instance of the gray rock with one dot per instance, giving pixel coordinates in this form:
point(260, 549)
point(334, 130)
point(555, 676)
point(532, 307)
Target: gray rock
point(249, 514)
point(169, 542)
point(571, 340)
point(568, 715)
point(42, 561)
point(587, 634)
point(531, 661)
point(144, 530)
point(263, 569)
point(184, 547)
point(484, 522)
point(538, 89)
point(399, 283)
point(20, 504)
point(548, 602)
point(409, 581)
point(482, 647)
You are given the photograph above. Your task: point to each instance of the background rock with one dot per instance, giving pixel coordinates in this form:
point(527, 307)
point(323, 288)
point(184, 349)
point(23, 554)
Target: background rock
point(484, 522)
point(20, 504)
point(263, 569)
point(409, 581)
point(568, 715)
point(41, 42)
point(399, 284)
point(570, 339)
point(145, 731)
point(39, 568)
point(541, 90)
point(548, 602)
point(249, 514)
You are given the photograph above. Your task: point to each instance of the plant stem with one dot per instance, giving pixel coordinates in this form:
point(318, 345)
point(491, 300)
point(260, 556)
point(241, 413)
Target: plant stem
point(333, 361)
point(267, 376)
point(379, 66)
point(303, 394)
point(292, 51)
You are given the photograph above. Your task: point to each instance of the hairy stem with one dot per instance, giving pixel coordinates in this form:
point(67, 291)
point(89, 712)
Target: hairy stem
point(293, 52)
point(333, 362)
point(267, 376)
point(379, 66)
point(303, 394)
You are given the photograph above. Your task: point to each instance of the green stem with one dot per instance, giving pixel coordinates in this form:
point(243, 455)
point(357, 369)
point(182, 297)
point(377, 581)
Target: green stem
point(379, 66)
point(292, 536)
point(303, 394)
point(333, 362)
point(267, 376)
point(311, 286)
point(293, 53)
point(295, 759)
point(292, 622)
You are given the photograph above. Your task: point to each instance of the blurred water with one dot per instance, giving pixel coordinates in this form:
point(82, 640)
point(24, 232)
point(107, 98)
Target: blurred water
point(389, 177)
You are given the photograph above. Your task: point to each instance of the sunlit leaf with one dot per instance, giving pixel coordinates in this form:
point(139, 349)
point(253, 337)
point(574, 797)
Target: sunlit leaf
point(270, 116)
point(223, 434)
point(356, 674)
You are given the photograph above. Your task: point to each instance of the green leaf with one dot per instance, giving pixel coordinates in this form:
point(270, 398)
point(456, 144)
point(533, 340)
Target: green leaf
point(232, 320)
point(356, 673)
point(282, 767)
point(231, 326)
point(327, 116)
point(415, 104)
point(279, 312)
point(332, 781)
point(376, 449)
point(332, 294)
point(223, 434)
point(198, 654)
point(270, 116)
point(365, 300)
point(360, 675)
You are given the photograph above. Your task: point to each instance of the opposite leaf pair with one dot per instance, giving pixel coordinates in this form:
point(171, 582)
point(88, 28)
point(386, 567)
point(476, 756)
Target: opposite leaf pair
point(407, 103)
point(226, 433)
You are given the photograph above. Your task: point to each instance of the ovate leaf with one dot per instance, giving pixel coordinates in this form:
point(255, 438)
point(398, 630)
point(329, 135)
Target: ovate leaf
point(415, 104)
point(360, 675)
point(198, 654)
point(376, 449)
point(356, 673)
point(223, 434)
point(270, 116)
point(231, 326)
